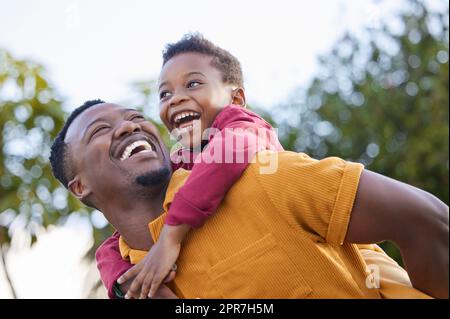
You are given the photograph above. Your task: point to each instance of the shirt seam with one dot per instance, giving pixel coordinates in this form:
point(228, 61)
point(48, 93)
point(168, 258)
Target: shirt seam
point(341, 212)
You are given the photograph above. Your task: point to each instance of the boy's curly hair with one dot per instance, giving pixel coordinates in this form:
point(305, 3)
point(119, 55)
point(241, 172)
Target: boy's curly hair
point(223, 60)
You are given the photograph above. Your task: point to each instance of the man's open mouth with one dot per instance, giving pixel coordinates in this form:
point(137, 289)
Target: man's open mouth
point(184, 119)
point(137, 147)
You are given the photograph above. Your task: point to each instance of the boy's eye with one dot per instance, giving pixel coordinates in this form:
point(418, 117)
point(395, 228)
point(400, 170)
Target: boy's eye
point(164, 95)
point(193, 84)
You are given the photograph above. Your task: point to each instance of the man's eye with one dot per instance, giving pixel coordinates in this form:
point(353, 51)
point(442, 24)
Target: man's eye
point(99, 129)
point(193, 84)
point(136, 117)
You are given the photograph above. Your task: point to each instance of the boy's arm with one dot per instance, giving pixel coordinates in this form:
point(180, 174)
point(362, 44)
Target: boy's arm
point(197, 200)
point(156, 266)
point(216, 169)
point(385, 209)
point(238, 136)
point(110, 263)
point(112, 266)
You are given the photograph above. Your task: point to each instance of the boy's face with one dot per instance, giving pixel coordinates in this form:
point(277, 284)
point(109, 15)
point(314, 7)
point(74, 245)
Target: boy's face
point(191, 94)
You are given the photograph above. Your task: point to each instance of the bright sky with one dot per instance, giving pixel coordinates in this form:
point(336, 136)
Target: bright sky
point(53, 267)
point(94, 49)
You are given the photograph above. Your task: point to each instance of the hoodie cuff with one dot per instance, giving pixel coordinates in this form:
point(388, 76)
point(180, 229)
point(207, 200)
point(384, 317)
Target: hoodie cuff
point(182, 211)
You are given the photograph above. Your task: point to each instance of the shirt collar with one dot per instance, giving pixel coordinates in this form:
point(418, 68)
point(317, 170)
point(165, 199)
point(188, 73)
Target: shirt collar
point(155, 226)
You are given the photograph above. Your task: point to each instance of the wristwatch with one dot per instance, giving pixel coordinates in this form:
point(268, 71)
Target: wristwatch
point(117, 291)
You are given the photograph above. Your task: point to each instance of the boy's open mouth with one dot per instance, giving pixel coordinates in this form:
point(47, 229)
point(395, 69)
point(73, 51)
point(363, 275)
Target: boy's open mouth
point(184, 119)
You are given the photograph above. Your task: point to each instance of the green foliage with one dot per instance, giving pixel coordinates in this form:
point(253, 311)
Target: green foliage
point(31, 116)
point(380, 99)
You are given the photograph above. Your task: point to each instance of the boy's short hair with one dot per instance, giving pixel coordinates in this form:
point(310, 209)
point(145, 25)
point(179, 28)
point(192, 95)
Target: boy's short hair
point(223, 60)
point(59, 157)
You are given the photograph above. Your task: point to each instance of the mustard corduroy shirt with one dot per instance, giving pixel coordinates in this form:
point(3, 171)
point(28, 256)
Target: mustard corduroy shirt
point(276, 235)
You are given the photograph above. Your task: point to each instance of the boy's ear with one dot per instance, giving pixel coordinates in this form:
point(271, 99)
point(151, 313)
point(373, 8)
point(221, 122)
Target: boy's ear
point(78, 188)
point(239, 97)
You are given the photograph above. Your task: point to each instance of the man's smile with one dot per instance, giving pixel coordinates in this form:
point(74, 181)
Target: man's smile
point(135, 148)
point(134, 145)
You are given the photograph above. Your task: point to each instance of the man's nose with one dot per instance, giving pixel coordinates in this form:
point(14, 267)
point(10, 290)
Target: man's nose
point(127, 127)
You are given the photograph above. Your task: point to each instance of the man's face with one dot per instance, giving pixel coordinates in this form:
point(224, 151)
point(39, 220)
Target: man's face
point(110, 147)
point(191, 94)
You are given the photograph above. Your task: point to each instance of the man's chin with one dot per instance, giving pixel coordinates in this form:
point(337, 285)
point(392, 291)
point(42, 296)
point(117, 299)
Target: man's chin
point(154, 177)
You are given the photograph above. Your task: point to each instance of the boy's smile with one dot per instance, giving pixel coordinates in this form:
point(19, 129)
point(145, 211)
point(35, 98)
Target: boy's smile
point(191, 94)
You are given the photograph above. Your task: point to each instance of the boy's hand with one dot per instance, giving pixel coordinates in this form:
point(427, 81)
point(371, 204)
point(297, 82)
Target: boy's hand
point(163, 292)
point(157, 265)
point(151, 271)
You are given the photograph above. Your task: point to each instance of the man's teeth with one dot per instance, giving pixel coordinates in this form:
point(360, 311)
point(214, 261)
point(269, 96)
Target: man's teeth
point(182, 115)
point(129, 149)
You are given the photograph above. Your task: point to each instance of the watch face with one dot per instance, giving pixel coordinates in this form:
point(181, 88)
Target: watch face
point(117, 292)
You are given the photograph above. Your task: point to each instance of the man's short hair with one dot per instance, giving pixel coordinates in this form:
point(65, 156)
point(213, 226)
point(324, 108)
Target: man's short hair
point(59, 157)
point(223, 60)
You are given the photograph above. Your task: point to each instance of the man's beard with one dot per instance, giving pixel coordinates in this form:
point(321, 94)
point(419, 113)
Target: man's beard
point(153, 178)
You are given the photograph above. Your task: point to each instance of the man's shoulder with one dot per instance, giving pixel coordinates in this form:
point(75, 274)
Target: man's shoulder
point(270, 162)
point(288, 165)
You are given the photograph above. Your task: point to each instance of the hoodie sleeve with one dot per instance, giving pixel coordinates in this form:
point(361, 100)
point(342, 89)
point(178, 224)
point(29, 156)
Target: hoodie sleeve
point(238, 135)
point(110, 263)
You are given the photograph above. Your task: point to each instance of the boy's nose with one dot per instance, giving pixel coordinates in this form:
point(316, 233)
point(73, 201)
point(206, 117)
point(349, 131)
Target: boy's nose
point(127, 127)
point(178, 98)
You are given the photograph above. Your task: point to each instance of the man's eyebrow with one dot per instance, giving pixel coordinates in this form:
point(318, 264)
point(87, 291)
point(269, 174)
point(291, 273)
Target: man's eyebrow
point(129, 110)
point(102, 119)
point(186, 75)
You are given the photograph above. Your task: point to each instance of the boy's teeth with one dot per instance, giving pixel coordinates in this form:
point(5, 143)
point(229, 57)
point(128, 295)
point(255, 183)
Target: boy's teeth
point(182, 115)
point(127, 152)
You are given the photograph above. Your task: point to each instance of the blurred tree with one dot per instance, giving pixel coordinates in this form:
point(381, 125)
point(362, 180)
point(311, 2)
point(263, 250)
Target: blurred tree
point(30, 197)
point(380, 99)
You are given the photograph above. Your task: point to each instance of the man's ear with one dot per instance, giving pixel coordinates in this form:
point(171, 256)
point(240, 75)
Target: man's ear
point(78, 188)
point(239, 97)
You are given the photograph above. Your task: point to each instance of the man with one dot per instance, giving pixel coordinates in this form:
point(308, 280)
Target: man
point(287, 235)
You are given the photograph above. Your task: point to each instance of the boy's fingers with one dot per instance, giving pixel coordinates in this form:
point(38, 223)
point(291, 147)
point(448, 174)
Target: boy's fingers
point(154, 286)
point(170, 276)
point(124, 277)
point(146, 286)
point(130, 273)
point(133, 291)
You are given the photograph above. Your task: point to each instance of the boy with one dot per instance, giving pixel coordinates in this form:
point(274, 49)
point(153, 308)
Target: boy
point(198, 92)
point(200, 87)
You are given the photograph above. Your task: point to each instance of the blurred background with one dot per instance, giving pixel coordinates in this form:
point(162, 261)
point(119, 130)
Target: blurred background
point(363, 80)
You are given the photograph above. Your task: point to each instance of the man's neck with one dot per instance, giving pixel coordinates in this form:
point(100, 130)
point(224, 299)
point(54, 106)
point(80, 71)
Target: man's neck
point(131, 218)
